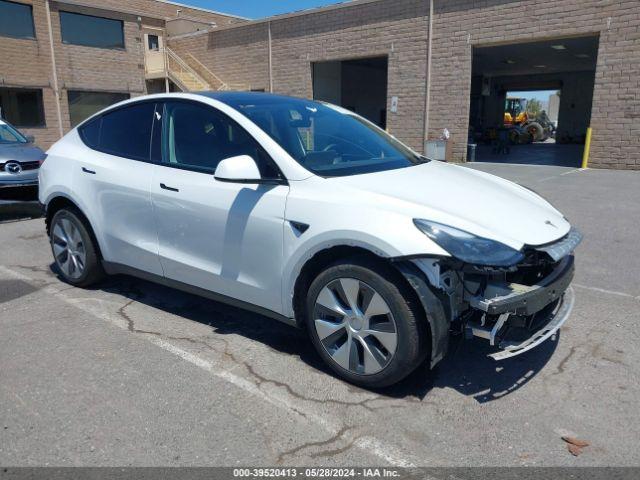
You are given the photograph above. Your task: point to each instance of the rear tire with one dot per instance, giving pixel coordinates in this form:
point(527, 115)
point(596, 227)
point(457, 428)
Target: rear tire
point(365, 323)
point(536, 131)
point(74, 250)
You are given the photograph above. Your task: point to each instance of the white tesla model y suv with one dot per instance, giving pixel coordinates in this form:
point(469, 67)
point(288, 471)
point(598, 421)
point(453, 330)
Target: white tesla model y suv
point(310, 214)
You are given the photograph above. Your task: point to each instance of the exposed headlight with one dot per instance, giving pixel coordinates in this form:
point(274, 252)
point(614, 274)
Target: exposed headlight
point(468, 247)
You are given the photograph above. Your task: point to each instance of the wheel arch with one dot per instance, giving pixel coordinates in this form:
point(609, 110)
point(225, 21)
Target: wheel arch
point(60, 201)
point(326, 257)
point(431, 309)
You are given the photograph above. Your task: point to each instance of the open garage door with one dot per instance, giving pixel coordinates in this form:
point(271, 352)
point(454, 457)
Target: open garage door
point(531, 102)
point(359, 85)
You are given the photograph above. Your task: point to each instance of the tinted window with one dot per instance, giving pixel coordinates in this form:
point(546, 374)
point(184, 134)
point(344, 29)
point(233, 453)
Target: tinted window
point(91, 31)
point(83, 104)
point(126, 132)
point(16, 20)
point(152, 42)
point(90, 132)
point(8, 134)
point(199, 137)
point(22, 107)
point(326, 140)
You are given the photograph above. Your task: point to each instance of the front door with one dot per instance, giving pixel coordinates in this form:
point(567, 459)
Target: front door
point(220, 236)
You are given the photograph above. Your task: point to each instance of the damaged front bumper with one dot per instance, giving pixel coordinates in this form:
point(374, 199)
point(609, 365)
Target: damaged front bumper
point(515, 309)
point(517, 318)
point(552, 322)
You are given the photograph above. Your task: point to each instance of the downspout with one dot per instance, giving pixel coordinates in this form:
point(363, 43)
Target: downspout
point(56, 91)
point(270, 59)
point(427, 102)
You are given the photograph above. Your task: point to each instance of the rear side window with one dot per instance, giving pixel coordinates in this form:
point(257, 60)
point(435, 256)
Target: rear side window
point(90, 132)
point(126, 132)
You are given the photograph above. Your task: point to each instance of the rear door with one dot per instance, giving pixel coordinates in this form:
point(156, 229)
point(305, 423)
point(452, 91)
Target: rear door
point(220, 236)
point(113, 178)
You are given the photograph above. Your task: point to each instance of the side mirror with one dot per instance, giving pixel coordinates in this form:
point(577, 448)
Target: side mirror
point(30, 138)
point(240, 169)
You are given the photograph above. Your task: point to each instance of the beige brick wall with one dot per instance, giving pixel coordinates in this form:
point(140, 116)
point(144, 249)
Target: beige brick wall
point(395, 28)
point(399, 29)
point(236, 55)
point(461, 24)
point(165, 10)
point(98, 69)
point(27, 63)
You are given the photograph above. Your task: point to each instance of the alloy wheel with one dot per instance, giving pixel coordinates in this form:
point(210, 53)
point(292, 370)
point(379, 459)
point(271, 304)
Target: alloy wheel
point(68, 248)
point(355, 326)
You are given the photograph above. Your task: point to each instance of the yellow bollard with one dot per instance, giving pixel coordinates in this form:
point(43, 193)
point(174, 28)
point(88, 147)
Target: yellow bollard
point(587, 149)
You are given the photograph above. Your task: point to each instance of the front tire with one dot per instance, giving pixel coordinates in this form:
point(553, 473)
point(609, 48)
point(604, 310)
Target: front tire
point(365, 323)
point(74, 250)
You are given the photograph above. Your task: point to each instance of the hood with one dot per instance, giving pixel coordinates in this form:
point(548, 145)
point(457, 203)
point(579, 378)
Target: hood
point(477, 202)
point(22, 152)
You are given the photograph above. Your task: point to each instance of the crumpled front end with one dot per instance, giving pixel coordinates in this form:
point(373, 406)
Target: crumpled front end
point(514, 308)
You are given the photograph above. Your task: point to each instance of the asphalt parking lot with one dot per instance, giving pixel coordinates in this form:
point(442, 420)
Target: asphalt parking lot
point(131, 373)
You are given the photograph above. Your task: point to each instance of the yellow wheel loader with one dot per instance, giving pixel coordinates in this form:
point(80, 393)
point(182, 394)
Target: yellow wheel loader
point(522, 128)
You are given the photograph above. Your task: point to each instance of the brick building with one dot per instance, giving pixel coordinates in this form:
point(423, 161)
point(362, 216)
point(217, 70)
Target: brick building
point(414, 67)
point(96, 48)
point(587, 49)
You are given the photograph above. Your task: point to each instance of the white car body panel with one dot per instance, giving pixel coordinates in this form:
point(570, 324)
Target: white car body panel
point(477, 202)
point(116, 197)
point(220, 236)
point(236, 240)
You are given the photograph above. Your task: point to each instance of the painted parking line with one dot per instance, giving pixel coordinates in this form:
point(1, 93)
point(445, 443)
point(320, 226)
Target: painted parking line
point(98, 308)
point(608, 292)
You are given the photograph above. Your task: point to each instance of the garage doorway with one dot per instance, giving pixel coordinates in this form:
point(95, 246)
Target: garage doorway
point(531, 102)
point(359, 85)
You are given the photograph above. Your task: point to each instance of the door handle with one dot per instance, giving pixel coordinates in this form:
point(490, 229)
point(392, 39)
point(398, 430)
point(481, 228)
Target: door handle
point(86, 170)
point(171, 189)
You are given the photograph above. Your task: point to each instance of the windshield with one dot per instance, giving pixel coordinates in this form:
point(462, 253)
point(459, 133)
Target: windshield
point(327, 140)
point(8, 134)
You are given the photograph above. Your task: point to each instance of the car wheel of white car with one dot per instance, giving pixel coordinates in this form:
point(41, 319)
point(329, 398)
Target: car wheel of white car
point(364, 323)
point(73, 249)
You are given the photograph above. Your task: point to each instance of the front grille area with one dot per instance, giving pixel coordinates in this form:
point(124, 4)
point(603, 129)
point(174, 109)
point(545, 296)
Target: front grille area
point(25, 165)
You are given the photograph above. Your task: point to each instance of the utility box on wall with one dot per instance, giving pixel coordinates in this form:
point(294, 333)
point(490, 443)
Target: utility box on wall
point(438, 150)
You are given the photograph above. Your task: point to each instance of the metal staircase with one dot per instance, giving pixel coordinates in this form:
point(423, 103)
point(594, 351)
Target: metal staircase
point(180, 73)
point(189, 75)
point(214, 81)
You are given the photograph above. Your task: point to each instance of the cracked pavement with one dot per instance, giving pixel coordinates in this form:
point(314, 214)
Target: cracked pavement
point(132, 373)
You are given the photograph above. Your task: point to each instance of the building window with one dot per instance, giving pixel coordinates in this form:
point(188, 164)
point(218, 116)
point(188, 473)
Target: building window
point(153, 43)
point(90, 31)
point(22, 107)
point(84, 104)
point(16, 20)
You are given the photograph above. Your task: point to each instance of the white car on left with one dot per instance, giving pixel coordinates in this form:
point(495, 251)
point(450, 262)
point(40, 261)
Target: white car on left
point(20, 159)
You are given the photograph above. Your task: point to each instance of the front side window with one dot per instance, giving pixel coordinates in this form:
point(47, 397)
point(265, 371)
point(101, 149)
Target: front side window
point(22, 107)
point(199, 137)
point(16, 20)
point(326, 140)
point(83, 104)
point(8, 135)
point(90, 31)
point(126, 132)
